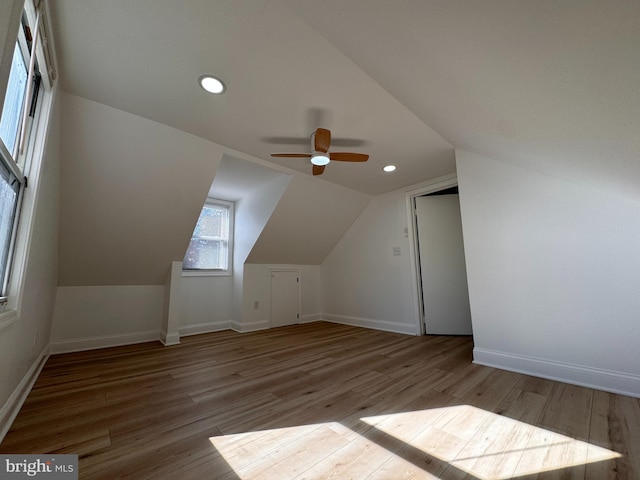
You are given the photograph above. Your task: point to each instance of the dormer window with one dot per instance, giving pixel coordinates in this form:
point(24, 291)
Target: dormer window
point(210, 246)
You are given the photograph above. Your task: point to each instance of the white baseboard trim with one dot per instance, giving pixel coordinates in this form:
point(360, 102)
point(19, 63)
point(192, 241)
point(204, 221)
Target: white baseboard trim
point(243, 327)
point(386, 326)
point(168, 339)
point(209, 327)
point(12, 406)
point(600, 379)
point(105, 341)
point(94, 343)
point(311, 317)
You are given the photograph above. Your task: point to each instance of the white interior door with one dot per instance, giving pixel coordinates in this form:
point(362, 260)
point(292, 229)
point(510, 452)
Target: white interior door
point(445, 293)
point(285, 297)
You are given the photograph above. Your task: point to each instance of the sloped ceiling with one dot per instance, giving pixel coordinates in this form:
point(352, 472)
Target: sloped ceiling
point(236, 178)
point(309, 220)
point(130, 195)
point(552, 86)
point(283, 78)
point(132, 190)
point(549, 85)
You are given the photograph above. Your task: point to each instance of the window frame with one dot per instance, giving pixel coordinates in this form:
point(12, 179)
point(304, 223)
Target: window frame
point(216, 272)
point(5, 277)
point(28, 162)
point(15, 161)
point(21, 47)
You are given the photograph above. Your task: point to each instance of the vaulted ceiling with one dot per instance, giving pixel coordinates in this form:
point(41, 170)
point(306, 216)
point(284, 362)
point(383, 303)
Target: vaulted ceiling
point(552, 86)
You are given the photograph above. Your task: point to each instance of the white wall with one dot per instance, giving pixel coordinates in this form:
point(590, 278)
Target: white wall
point(131, 193)
point(363, 283)
point(252, 213)
point(206, 304)
point(101, 316)
point(311, 217)
point(257, 288)
point(553, 270)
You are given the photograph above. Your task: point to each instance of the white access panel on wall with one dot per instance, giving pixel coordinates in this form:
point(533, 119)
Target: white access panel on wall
point(285, 297)
point(443, 271)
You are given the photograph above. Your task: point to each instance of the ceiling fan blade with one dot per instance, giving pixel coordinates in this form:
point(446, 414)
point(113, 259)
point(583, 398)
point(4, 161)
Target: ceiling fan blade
point(322, 140)
point(292, 155)
point(348, 157)
point(318, 169)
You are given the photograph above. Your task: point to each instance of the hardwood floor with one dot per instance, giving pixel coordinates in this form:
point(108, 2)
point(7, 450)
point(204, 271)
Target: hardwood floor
point(320, 401)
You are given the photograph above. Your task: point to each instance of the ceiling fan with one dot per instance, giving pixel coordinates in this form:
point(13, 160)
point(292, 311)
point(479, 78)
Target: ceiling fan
point(320, 155)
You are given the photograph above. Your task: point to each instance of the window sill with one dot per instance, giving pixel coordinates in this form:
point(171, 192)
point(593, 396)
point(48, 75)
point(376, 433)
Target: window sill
point(7, 318)
point(206, 273)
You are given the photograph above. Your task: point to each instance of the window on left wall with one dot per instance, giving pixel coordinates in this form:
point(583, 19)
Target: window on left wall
point(211, 244)
point(22, 133)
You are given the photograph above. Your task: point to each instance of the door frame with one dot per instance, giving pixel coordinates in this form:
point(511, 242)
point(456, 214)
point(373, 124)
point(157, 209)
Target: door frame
point(273, 270)
point(430, 186)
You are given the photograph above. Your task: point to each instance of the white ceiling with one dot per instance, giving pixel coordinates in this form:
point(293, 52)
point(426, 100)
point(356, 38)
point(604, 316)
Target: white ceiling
point(236, 178)
point(550, 85)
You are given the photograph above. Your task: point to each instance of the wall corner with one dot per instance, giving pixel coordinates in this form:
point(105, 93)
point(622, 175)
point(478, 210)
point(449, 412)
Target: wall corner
point(169, 331)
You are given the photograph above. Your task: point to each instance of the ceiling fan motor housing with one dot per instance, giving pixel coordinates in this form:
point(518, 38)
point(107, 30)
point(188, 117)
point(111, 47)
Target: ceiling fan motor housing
point(318, 156)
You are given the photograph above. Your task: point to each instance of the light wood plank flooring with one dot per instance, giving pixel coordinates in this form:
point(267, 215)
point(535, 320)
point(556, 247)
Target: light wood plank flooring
point(320, 401)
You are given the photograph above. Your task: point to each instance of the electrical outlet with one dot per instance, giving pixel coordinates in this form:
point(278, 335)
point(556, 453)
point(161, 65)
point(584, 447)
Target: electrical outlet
point(396, 251)
point(256, 305)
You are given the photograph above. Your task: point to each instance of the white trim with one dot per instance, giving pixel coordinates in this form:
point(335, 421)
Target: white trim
point(104, 341)
point(168, 339)
point(230, 207)
point(206, 273)
point(36, 150)
point(243, 327)
point(311, 317)
point(12, 406)
point(383, 325)
point(208, 327)
point(44, 54)
point(590, 377)
point(170, 324)
point(28, 94)
point(430, 186)
point(7, 318)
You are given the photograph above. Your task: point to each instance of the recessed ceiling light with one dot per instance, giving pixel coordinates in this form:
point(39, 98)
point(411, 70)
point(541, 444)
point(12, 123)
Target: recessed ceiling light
point(212, 84)
point(389, 168)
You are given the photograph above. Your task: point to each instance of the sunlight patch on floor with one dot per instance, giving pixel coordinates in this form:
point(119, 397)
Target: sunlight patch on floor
point(417, 444)
point(487, 445)
point(318, 451)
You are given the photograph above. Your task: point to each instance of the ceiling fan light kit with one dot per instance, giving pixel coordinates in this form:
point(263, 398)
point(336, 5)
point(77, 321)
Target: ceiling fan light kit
point(320, 159)
point(320, 156)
